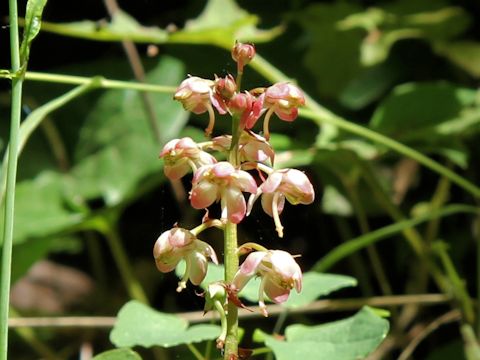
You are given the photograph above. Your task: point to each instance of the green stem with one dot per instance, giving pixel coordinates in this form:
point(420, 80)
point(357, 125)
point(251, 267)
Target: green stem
point(456, 283)
point(231, 258)
point(198, 355)
point(11, 178)
point(394, 145)
point(231, 267)
point(360, 242)
point(80, 80)
point(132, 284)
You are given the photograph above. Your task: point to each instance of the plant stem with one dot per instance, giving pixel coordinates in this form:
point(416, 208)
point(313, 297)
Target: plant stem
point(394, 145)
point(80, 80)
point(11, 178)
point(134, 287)
point(231, 267)
point(231, 259)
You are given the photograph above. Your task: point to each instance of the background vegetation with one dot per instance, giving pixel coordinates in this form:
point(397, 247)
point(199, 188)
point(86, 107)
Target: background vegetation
point(91, 197)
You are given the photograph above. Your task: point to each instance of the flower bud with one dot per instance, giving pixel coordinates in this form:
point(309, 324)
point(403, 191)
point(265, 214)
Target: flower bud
point(243, 54)
point(225, 87)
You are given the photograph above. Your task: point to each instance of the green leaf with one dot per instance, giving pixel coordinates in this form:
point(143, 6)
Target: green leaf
point(140, 325)
point(316, 285)
point(413, 106)
point(33, 22)
point(369, 85)
point(34, 119)
point(464, 54)
point(118, 354)
point(41, 208)
point(221, 23)
point(328, 44)
point(348, 339)
point(116, 147)
point(335, 203)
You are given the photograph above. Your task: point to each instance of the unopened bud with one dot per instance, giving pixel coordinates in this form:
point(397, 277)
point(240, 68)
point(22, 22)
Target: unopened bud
point(225, 87)
point(243, 54)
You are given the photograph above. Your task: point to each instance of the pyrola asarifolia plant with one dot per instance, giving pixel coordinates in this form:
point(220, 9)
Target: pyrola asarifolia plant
point(248, 169)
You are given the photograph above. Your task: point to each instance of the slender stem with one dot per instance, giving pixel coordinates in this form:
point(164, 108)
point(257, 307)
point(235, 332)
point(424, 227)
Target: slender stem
point(80, 80)
point(11, 178)
point(394, 145)
point(134, 287)
point(198, 355)
point(231, 267)
point(231, 258)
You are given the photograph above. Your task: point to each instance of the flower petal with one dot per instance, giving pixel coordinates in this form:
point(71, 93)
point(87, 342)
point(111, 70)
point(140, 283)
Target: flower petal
point(203, 194)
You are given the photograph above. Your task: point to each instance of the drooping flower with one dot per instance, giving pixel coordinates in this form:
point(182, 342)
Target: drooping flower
point(243, 54)
point(279, 274)
point(181, 155)
point(249, 107)
point(290, 184)
point(177, 244)
point(251, 147)
point(197, 95)
point(222, 182)
point(225, 87)
point(283, 99)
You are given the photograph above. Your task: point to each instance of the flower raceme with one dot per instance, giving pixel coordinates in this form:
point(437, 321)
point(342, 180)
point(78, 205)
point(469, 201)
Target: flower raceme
point(177, 244)
point(221, 181)
point(290, 184)
point(181, 155)
point(279, 273)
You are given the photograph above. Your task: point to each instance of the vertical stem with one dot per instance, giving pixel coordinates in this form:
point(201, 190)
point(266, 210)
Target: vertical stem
point(11, 178)
point(231, 258)
point(231, 267)
point(134, 287)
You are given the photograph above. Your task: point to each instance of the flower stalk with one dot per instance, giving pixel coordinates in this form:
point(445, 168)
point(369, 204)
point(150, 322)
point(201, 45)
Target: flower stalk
point(250, 159)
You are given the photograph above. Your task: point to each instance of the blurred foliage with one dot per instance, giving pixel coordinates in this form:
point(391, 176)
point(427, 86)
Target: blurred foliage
point(407, 69)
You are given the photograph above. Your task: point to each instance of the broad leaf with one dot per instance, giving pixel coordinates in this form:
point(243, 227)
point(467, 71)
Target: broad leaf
point(33, 21)
point(118, 354)
point(349, 339)
point(464, 54)
point(41, 208)
point(328, 45)
point(140, 325)
point(116, 146)
point(413, 106)
point(221, 23)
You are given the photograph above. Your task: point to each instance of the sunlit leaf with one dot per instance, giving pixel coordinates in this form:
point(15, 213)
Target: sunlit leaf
point(221, 23)
point(118, 354)
point(140, 325)
point(464, 54)
point(33, 21)
point(348, 339)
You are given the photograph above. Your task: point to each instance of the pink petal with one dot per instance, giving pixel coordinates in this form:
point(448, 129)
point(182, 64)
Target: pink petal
point(223, 169)
point(248, 269)
point(246, 182)
point(198, 267)
point(272, 183)
point(235, 204)
point(275, 292)
point(203, 194)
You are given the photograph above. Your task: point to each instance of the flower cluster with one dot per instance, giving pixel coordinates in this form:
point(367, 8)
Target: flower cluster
point(249, 169)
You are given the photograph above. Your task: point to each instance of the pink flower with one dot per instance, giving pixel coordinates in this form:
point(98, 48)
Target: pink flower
point(177, 244)
point(283, 99)
point(197, 95)
point(243, 54)
point(225, 87)
point(291, 184)
point(251, 147)
point(248, 107)
point(279, 271)
point(181, 155)
point(222, 182)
